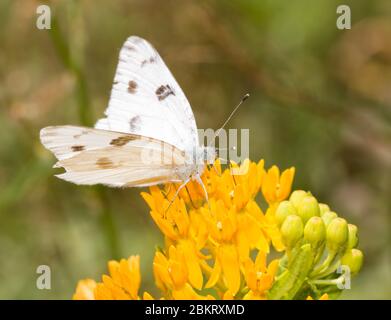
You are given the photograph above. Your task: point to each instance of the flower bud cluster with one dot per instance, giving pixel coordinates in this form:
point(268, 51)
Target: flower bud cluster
point(312, 229)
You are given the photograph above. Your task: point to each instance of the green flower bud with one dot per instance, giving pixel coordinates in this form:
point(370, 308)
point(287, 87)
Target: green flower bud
point(353, 237)
point(297, 196)
point(323, 208)
point(291, 230)
point(337, 234)
point(285, 208)
point(328, 217)
point(353, 258)
point(315, 231)
point(307, 208)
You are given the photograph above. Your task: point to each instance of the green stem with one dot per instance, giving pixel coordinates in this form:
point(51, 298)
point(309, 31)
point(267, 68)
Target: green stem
point(324, 265)
point(63, 52)
point(334, 266)
point(292, 279)
point(108, 223)
point(84, 111)
point(319, 254)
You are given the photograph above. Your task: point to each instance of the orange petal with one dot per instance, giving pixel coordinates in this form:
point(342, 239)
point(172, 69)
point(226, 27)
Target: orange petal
point(230, 266)
point(192, 263)
point(85, 290)
point(286, 184)
point(215, 275)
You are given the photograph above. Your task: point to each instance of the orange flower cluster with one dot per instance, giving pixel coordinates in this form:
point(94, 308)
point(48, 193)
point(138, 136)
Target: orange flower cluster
point(220, 245)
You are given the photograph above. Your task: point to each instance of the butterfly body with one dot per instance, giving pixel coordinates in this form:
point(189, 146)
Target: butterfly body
point(196, 160)
point(148, 137)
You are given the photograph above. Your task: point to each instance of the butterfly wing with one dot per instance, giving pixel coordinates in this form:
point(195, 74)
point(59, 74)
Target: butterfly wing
point(146, 99)
point(93, 156)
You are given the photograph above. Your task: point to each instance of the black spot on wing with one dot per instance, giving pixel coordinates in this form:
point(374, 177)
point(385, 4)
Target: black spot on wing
point(146, 61)
point(105, 163)
point(132, 86)
point(134, 123)
point(163, 92)
point(121, 141)
point(77, 148)
point(77, 136)
point(129, 47)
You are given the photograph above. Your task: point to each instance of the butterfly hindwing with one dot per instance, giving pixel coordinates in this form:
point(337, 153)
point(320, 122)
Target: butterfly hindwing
point(94, 156)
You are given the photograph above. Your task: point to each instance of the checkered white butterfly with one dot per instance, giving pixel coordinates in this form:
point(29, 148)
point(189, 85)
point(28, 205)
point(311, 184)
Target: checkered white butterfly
point(149, 135)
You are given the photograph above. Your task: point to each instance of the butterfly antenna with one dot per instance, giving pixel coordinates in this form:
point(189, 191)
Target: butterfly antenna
point(232, 113)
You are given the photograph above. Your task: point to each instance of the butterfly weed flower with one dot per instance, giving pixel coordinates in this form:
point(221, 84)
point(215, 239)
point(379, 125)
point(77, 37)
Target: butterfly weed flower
point(259, 277)
point(181, 228)
point(85, 290)
point(219, 249)
point(276, 186)
point(222, 226)
point(122, 283)
point(172, 275)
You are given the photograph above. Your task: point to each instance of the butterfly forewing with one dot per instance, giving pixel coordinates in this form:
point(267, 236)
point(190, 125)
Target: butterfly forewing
point(147, 100)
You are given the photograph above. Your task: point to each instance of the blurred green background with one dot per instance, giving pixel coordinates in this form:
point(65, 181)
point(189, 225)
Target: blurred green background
point(320, 101)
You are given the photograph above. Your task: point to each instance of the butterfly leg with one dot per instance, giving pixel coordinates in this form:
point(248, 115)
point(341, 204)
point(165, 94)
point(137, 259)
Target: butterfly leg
point(199, 180)
point(177, 193)
point(191, 200)
point(215, 169)
point(167, 192)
